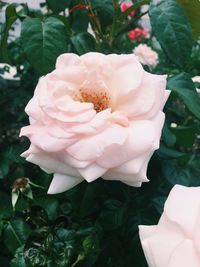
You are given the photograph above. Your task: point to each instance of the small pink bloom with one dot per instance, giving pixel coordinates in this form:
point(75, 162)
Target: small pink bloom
point(174, 241)
point(146, 55)
point(137, 34)
point(125, 5)
point(89, 118)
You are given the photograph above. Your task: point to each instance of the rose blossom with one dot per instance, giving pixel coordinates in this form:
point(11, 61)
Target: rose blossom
point(125, 5)
point(137, 34)
point(95, 116)
point(146, 55)
point(175, 242)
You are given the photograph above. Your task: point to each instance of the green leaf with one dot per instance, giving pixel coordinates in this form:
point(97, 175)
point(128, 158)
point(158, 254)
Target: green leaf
point(113, 216)
point(58, 6)
point(168, 137)
point(6, 210)
point(18, 260)
point(168, 153)
point(192, 10)
point(183, 86)
point(43, 42)
point(83, 42)
point(172, 30)
point(158, 203)
point(185, 135)
point(49, 204)
point(3, 84)
point(11, 17)
point(104, 10)
point(15, 234)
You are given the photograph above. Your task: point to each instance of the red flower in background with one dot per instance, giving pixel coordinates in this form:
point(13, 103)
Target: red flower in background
point(125, 5)
point(137, 34)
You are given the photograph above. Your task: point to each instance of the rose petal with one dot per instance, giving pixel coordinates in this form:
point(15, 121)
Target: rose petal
point(61, 183)
point(91, 148)
point(92, 172)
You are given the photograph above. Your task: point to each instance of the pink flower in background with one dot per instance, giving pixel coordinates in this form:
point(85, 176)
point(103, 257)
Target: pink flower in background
point(125, 5)
point(146, 55)
point(95, 116)
point(137, 34)
point(175, 241)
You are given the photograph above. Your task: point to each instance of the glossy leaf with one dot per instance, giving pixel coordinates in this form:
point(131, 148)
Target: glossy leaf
point(43, 41)
point(11, 17)
point(172, 30)
point(83, 42)
point(183, 86)
point(58, 6)
point(15, 234)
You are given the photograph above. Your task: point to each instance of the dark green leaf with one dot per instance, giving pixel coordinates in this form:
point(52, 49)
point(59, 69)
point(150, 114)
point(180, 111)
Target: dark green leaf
point(43, 42)
point(158, 203)
point(168, 153)
point(113, 216)
point(83, 42)
point(183, 86)
point(168, 137)
point(11, 17)
point(3, 83)
point(185, 135)
point(105, 11)
point(15, 234)
point(58, 6)
point(50, 205)
point(172, 30)
point(18, 260)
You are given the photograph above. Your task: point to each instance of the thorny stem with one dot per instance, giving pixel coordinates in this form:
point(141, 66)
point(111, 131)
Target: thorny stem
point(96, 27)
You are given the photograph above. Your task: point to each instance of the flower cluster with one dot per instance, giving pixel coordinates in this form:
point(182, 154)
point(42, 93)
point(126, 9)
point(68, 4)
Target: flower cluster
point(138, 34)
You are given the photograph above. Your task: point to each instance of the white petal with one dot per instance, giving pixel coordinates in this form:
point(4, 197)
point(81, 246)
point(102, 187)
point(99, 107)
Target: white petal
point(92, 172)
point(61, 183)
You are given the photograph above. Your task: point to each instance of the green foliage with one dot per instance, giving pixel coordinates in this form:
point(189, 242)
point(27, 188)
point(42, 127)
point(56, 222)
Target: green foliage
point(172, 30)
point(43, 41)
point(83, 42)
point(58, 6)
point(192, 9)
point(11, 17)
point(184, 87)
point(94, 224)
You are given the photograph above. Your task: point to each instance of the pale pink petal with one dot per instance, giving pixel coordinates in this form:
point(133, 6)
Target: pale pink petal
point(92, 172)
point(122, 82)
point(136, 144)
point(40, 137)
point(61, 183)
point(52, 164)
point(145, 233)
point(146, 102)
point(93, 147)
point(185, 201)
point(67, 60)
point(185, 255)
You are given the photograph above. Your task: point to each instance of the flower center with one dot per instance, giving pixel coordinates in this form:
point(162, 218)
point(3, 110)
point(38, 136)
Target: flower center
point(100, 100)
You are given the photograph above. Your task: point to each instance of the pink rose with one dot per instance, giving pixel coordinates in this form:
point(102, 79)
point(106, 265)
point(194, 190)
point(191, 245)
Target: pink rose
point(95, 116)
point(146, 55)
point(125, 5)
point(175, 242)
point(137, 34)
